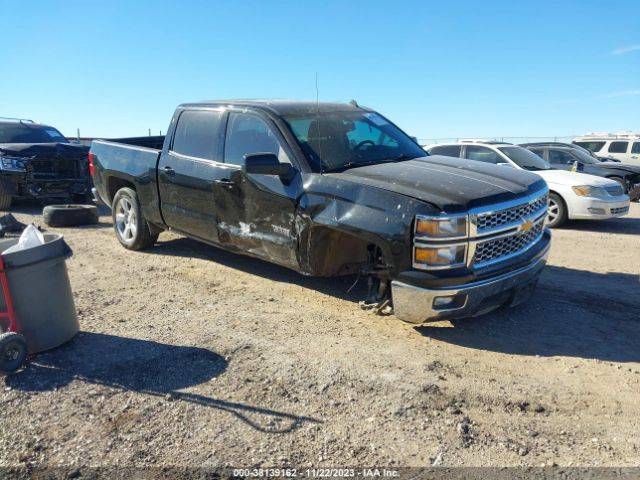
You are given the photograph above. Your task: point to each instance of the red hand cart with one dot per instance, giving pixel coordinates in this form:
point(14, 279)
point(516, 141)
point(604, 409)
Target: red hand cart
point(13, 345)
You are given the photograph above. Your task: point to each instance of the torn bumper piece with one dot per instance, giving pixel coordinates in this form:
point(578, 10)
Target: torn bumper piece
point(418, 305)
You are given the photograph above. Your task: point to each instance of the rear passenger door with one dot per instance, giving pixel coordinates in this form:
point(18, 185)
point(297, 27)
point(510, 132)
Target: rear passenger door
point(187, 173)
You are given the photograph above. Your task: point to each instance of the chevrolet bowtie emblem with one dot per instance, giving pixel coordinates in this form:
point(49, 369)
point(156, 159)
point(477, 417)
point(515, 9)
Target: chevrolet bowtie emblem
point(526, 226)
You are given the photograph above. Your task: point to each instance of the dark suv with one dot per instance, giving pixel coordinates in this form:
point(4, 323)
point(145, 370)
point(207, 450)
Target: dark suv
point(37, 161)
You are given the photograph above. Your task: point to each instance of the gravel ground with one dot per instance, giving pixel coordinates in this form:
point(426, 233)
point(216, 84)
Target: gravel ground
point(190, 356)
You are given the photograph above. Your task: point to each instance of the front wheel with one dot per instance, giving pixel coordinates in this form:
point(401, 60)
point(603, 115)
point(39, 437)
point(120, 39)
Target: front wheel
point(557, 213)
point(130, 226)
point(13, 352)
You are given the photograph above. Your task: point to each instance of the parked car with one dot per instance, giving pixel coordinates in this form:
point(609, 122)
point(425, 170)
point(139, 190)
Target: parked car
point(564, 158)
point(568, 145)
point(37, 161)
point(571, 195)
point(332, 189)
point(624, 147)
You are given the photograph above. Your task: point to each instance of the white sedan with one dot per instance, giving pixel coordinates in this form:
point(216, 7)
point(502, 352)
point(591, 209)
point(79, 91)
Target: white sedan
point(572, 195)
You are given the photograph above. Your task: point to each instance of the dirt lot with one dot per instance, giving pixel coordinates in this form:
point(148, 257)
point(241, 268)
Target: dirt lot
point(192, 356)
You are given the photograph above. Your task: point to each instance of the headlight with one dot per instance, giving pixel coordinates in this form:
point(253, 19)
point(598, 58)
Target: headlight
point(441, 227)
point(439, 256)
point(590, 191)
point(15, 163)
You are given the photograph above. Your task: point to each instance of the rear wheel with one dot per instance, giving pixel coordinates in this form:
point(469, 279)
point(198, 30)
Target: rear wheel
point(557, 213)
point(130, 226)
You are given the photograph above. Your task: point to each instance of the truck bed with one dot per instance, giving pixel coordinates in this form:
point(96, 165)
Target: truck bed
point(128, 162)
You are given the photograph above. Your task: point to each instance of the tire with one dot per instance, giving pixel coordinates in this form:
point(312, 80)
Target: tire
point(5, 199)
point(132, 230)
point(13, 352)
point(70, 215)
point(557, 211)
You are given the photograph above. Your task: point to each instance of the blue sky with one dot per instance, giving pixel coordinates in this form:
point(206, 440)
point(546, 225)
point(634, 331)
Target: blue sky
point(438, 69)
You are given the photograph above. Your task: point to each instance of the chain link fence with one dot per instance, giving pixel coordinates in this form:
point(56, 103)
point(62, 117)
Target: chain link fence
point(433, 141)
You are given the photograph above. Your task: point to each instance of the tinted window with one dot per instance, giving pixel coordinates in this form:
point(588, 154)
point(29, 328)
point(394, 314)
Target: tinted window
point(482, 154)
point(538, 152)
point(25, 133)
point(248, 134)
point(447, 150)
point(636, 147)
point(593, 146)
point(197, 134)
point(559, 156)
point(618, 147)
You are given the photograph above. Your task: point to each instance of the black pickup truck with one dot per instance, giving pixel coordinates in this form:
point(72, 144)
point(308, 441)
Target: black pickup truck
point(332, 189)
point(37, 161)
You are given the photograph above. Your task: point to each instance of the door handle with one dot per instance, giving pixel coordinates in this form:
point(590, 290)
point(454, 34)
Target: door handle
point(168, 170)
point(224, 182)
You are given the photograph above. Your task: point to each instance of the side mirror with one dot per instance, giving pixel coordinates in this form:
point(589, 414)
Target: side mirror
point(267, 164)
point(505, 164)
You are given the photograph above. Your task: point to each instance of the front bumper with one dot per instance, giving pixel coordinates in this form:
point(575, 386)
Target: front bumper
point(418, 305)
point(598, 209)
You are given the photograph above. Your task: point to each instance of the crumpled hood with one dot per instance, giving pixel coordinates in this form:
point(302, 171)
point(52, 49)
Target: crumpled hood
point(623, 167)
point(573, 179)
point(452, 184)
point(43, 149)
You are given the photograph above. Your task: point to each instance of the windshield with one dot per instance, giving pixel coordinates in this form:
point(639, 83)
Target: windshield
point(334, 141)
point(21, 133)
point(584, 157)
point(525, 159)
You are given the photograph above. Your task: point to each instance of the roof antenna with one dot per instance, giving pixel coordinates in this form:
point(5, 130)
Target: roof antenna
point(318, 124)
point(354, 103)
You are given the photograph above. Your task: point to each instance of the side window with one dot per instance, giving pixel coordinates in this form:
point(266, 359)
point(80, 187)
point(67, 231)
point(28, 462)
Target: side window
point(593, 146)
point(636, 147)
point(482, 154)
point(447, 150)
point(248, 134)
point(618, 147)
point(538, 152)
point(197, 134)
point(558, 156)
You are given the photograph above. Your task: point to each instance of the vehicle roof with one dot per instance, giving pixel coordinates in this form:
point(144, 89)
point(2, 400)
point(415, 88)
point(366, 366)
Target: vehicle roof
point(483, 143)
point(281, 106)
point(25, 124)
point(548, 146)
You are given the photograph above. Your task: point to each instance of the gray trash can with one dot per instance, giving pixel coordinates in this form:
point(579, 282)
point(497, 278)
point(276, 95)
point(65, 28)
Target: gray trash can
point(41, 292)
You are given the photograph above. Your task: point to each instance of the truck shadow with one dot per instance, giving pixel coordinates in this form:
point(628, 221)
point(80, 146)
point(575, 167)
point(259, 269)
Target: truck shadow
point(623, 225)
point(143, 366)
point(573, 313)
point(339, 287)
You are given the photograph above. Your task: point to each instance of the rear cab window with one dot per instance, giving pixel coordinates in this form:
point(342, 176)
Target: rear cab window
point(197, 134)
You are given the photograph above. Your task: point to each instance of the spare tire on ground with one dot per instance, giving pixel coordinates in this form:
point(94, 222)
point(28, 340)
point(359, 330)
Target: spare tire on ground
point(70, 215)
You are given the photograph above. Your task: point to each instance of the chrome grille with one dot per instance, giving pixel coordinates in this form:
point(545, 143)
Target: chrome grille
point(497, 248)
point(488, 221)
point(615, 190)
point(615, 211)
